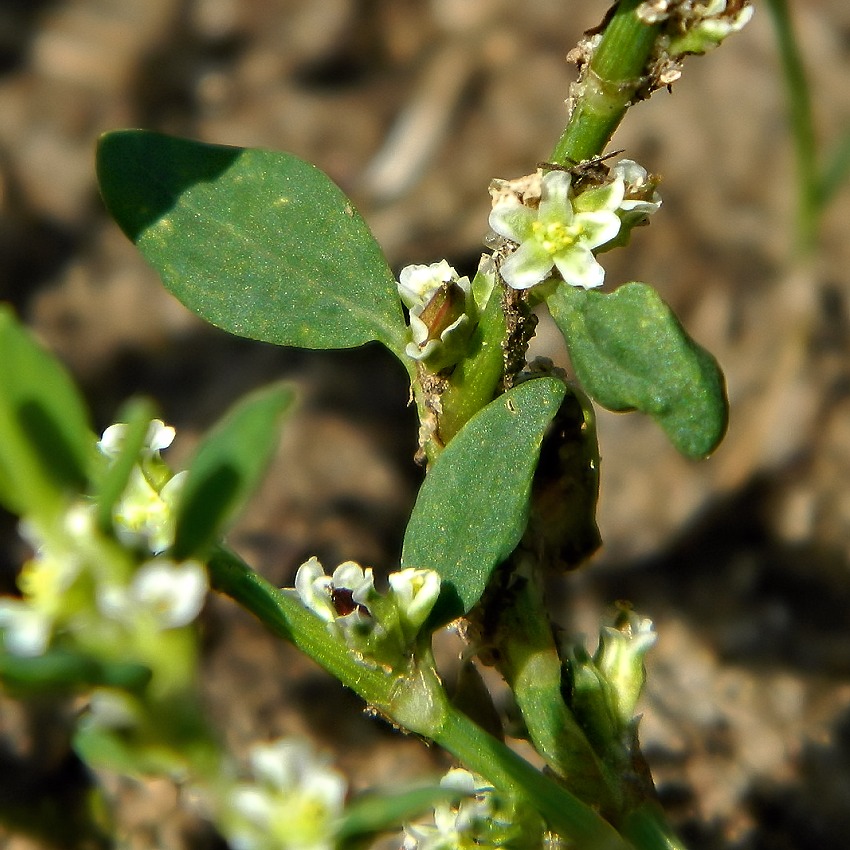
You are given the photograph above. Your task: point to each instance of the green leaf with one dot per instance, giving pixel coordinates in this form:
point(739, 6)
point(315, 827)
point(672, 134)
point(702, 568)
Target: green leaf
point(46, 445)
point(835, 173)
point(62, 671)
point(227, 467)
point(630, 353)
point(472, 509)
point(259, 243)
point(372, 813)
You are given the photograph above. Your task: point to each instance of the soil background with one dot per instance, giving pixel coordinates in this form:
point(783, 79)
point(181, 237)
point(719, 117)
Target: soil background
point(412, 107)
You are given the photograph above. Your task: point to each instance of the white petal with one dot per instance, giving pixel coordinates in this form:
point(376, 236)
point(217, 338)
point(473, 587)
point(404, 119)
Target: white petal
point(416, 352)
point(528, 265)
point(597, 228)
point(112, 439)
point(418, 329)
point(175, 593)
point(353, 577)
point(418, 283)
point(631, 173)
point(254, 805)
point(313, 587)
point(160, 436)
point(556, 189)
point(26, 629)
point(459, 780)
point(645, 207)
point(578, 267)
point(509, 218)
point(280, 763)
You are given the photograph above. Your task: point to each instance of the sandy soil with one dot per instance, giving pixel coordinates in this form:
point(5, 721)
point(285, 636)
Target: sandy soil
point(412, 106)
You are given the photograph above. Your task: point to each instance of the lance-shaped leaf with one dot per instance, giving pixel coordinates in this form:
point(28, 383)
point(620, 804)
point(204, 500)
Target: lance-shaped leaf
point(259, 243)
point(227, 467)
point(473, 506)
point(46, 445)
point(630, 353)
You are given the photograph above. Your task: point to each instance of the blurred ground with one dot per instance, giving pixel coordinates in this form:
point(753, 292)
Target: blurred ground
point(412, 106)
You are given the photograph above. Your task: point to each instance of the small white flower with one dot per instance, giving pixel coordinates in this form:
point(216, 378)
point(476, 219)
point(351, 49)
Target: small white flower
point(350, 576)
point(342, 601)
point(418, 283)
point(290, 764)
point(640, 195)
point(561, 233)
point(146, 516)
point(414, 593)
point(26, 629)
point(171, 593)
point(329, 597)
point(159, 437)
point(174, 593)
point(294, 802)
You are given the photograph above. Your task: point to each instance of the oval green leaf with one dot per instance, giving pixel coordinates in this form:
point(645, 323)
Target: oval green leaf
point(473, 507)
point(630, 353)
point(46, 445)
point(261, 244)
point(227, 467)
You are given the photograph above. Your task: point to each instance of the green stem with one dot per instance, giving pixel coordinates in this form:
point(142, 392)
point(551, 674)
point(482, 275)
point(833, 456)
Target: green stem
point(608, 85)
point(417, 701)
point(802, 127)
point(532, 668)
point(476, 379)
point(647, 828)
point(562, 811)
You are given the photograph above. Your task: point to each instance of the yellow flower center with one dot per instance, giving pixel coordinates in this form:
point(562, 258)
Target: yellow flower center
point(555, 237)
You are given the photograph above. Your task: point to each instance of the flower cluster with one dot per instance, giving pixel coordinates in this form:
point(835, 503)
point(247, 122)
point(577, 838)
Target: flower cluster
point(86, 590)
point(695, 26)
point(559, 228)
point(292, 803)
point(380, 628)
point(479, 817)
point(442, 313)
